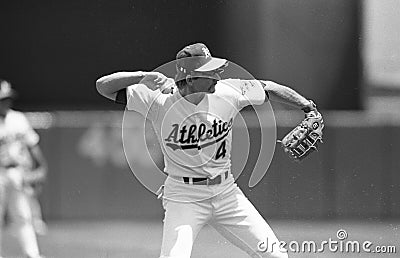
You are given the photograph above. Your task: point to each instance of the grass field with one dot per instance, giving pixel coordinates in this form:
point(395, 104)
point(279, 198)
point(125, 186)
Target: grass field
point(120, 239)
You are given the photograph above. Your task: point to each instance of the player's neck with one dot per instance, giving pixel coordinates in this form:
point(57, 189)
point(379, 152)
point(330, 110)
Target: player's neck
point(192, 97)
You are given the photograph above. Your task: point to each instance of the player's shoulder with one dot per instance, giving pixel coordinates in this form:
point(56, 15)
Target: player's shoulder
point(17, 115)
point(241, 86)
point(244, 90)
point(17, 119)
point(235, 87)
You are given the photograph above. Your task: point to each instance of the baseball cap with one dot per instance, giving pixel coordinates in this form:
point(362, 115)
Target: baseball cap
point(6, 91)
point(196, 58)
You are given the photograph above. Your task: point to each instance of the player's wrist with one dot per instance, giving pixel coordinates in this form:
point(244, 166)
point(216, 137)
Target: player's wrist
point(310, 106)
point(140, 74)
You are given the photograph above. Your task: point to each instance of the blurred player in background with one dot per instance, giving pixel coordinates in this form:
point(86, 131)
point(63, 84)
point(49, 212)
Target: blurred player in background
point(194, 127)
point(21, 166)
point(33, 191)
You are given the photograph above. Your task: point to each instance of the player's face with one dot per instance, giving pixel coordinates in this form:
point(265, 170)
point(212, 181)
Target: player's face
point(206, 81)
point(203, 85)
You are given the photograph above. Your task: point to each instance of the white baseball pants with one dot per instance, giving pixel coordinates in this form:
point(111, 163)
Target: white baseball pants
point(15, 202)
point(189, 207)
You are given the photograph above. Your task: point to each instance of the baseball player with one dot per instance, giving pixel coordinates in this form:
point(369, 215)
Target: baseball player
point(194, 126)
point(19, 153)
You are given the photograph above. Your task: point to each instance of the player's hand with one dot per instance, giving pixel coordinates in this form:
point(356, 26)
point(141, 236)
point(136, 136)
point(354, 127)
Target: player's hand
point(168, 87)
point(154, 80)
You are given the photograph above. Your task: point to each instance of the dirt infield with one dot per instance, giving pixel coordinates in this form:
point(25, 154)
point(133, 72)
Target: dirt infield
point(124, 239)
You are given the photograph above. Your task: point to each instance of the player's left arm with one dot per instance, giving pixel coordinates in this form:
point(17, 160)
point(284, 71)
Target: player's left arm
point(38, 171)
point(287, 95)
point(40, 167)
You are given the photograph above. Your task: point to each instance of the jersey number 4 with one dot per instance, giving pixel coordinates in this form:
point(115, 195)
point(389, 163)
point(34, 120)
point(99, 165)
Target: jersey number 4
point(221, 151)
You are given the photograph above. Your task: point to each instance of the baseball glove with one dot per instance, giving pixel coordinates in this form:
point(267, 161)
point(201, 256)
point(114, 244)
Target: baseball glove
point(304, 138)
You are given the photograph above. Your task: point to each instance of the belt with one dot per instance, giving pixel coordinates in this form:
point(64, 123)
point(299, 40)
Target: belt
point(205, 180)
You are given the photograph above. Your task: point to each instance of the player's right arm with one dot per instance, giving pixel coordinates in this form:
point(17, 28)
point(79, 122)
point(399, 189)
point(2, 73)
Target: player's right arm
point(109, 85)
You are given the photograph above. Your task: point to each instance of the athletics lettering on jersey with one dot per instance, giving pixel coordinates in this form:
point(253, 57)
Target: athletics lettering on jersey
point(197, 136)
point(196, 140)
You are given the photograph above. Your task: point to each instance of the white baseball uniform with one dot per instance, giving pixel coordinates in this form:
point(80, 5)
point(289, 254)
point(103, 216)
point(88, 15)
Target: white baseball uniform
point(196, 142)
point(16, 136)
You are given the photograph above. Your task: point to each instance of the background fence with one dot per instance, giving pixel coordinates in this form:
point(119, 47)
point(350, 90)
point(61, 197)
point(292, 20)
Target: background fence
point(353, 175)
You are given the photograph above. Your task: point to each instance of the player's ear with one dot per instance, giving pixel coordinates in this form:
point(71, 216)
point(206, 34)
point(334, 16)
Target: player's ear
point(189, 79)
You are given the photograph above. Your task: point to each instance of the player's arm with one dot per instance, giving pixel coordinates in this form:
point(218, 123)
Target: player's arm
point(281, 93)
point(39, 171)
point(113, 86)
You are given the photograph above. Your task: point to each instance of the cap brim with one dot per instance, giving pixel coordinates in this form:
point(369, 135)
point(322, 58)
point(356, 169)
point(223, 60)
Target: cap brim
point(212, 65)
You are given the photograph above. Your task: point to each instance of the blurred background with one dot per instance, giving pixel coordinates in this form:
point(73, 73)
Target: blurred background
point(345, 55)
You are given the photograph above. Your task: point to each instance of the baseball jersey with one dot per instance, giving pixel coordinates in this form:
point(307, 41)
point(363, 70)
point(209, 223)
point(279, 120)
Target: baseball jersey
point(16, 136)
point(196, 140)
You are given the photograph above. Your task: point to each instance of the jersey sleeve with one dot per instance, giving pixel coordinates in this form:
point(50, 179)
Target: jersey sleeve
point(252, 93)
point(249, 92)
point(143, 100)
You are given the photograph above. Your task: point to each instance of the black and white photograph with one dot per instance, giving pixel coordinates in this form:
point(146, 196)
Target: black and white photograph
point(200, 129)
